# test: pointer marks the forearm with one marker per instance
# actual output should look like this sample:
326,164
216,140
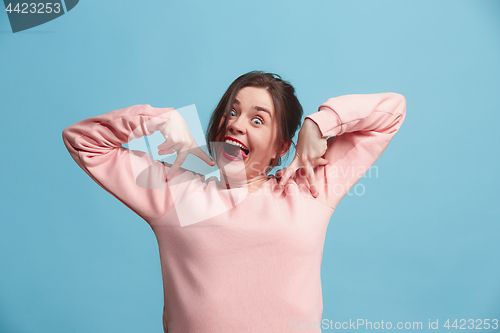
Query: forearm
309,130
131,176
110,130
363,125
383,112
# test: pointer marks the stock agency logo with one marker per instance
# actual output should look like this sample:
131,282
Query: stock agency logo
25,15
148,174
183,187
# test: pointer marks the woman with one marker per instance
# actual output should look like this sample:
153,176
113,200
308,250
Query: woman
242,254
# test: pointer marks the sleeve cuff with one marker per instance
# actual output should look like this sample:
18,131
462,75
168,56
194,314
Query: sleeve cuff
328,121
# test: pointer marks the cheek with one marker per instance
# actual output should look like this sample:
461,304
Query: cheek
264,148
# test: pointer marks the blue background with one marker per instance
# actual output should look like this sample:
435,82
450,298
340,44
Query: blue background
421,243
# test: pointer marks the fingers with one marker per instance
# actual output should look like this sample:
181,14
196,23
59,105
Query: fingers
287,174
197,151
181,157
311,178
312,182
279,172
165,148
322,161
167,151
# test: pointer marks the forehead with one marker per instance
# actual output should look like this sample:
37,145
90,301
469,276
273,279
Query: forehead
253,97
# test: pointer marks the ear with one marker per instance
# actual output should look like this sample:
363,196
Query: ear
286,145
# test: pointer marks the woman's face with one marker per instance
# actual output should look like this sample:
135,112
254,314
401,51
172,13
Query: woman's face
252,125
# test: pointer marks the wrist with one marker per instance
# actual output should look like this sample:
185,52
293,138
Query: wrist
311,128
167,117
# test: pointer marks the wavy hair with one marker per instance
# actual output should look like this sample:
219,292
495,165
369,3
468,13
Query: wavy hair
288,109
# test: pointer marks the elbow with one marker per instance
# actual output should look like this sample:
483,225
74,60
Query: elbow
400,110
401,101
66,134
399,105
69,135
66,138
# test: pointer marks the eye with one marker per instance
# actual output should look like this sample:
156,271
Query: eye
232,111
259,121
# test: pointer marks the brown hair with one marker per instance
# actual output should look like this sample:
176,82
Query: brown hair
286,105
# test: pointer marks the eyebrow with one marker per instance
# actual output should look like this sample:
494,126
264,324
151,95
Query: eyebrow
260,108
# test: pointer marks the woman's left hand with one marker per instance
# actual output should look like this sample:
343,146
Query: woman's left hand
310,149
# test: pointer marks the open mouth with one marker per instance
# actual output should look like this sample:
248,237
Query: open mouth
234,151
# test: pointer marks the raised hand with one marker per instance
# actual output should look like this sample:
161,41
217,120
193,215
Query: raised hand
311,146
178,139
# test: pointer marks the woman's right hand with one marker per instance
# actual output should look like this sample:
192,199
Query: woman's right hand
179,139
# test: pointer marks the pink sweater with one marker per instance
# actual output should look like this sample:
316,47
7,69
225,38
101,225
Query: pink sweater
234,261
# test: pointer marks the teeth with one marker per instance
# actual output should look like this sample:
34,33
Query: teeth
235,144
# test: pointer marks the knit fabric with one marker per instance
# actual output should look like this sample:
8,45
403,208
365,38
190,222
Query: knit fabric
233,260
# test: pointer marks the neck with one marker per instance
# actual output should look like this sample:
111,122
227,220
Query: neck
251,184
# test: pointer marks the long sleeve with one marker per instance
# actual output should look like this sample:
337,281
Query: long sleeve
131,176
361,127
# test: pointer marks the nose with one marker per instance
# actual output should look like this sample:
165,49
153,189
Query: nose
236,126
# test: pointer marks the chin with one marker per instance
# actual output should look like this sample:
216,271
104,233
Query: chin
234,171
